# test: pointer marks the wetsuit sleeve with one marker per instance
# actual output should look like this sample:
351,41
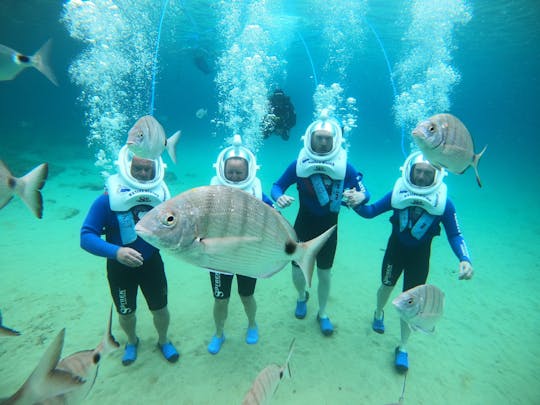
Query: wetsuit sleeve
377,208
353,179
267,200
284,182
94,226
453,233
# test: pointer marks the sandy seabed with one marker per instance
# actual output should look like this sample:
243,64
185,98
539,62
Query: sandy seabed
485,349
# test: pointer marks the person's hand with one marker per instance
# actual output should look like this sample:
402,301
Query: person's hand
129,257
465,270
352,198
284,201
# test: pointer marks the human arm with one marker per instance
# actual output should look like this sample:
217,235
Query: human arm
375,209
282,184
95,224
355,192
457,242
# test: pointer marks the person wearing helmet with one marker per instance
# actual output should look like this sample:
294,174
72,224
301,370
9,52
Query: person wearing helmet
235,166
420,204
132,263
281,116
321,173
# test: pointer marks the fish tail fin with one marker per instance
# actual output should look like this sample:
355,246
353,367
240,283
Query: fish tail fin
108,343
41,62
171,145
286,365
311,248
46,381
476,160
28,188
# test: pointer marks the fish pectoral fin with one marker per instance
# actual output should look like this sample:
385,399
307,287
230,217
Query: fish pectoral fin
226,244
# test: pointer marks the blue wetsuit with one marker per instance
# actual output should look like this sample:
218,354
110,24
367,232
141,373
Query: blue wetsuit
124,280
313,219
406,253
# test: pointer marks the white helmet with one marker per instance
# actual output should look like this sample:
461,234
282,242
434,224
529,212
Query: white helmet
125,158
406,174
325,123
236,151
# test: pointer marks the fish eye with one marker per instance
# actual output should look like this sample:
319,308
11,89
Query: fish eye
410,301
168,219
431,128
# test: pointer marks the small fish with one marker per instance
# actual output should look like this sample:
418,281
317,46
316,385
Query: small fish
12,62
27,187
267,382
225,229
85,365
421,307
146,139
46,381
445,142
5,331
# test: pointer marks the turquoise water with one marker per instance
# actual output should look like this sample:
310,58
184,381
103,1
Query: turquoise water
483,67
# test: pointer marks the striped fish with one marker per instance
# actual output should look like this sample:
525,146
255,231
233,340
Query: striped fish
267,382
421,307
446,142
225,229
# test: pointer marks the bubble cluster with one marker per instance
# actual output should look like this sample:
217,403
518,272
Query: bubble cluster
114,70
425,75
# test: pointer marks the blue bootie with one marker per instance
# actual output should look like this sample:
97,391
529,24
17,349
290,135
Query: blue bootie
215,344
378,324
401,361
130,353
301,307
252,335
326,326
169,352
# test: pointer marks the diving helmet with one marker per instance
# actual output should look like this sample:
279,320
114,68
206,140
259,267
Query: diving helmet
328,124
125,159
407,175
236,150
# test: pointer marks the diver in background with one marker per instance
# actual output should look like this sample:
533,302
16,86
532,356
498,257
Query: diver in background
420,204
131,261
236,166
281,116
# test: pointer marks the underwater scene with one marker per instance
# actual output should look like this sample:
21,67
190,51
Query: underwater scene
91,91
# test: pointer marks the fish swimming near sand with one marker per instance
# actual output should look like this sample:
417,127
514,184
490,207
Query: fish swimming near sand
445,142
27,187
267,382
12,62
147,140
5,331
225,229
421,307
46,381
85,365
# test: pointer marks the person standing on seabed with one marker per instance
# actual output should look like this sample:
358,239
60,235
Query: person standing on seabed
321,173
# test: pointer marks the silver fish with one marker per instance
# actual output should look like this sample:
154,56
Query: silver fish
446,142
12,62
146,139
5,331
85,365
46,381
421,307
267,381
225,229
27,187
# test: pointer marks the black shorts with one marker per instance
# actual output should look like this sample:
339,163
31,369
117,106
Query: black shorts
222,283
309,226
124,282
412,261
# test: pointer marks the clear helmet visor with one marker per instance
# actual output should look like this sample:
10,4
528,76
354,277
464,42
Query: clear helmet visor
138,172
420,176
323,139
236,165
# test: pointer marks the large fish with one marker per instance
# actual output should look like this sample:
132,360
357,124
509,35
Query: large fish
5,331
12,62
85,365
146,139
46,381
267,382
445,142
228,230
421,307
26,187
